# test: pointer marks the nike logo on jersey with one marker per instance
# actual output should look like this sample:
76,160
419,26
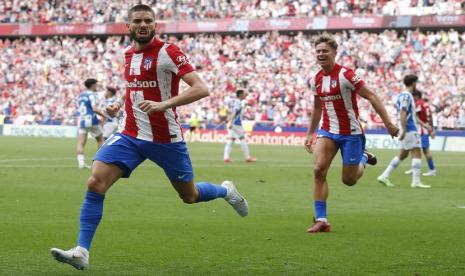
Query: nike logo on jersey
352,159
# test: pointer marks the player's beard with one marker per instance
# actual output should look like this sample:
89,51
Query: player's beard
142,40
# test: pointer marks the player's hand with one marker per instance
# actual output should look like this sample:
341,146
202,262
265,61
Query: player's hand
402,136
309,144
112,109
229,125
432,134
393,130
151,106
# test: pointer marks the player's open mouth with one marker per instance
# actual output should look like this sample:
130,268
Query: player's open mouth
143,32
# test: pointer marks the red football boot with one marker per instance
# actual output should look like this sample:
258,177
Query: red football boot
319,226
250,160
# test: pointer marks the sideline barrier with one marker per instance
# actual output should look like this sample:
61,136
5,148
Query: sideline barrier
40,130
446,142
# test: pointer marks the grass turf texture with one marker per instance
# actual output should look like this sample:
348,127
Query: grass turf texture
147,230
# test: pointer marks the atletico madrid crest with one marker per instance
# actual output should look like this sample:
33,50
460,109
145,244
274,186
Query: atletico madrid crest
333,83
148,63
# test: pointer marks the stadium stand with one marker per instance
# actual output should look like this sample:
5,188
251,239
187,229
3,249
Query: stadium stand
68,11
40,78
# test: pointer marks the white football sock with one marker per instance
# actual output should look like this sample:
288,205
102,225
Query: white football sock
245,149
416,168
392,166
228,149
80,159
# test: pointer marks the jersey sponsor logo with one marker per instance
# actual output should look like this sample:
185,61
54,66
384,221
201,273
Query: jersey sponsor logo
140,84
331,98
147,63
182,60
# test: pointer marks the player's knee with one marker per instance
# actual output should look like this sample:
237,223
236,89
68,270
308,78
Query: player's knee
349,180
189,199
96,184
319,171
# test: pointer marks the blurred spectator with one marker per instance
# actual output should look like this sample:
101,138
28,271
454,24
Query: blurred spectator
71,11
41,77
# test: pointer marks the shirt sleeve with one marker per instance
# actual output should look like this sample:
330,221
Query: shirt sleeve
404,101
354,79
181,61
93,100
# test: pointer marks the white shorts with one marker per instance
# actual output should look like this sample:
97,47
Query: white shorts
109,128
412,140
236,132
94,131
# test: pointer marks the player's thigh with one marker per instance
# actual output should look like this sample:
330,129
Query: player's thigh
103,176
96,131
121,151
352,148
411,140
173,158
425,142
236,132
323,152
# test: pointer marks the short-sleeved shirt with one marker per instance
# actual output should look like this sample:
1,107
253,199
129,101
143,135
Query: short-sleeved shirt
153,73
237,108
406,102
337,93
87,117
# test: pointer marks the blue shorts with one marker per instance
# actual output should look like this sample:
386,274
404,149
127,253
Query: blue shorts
425,141
352,146
128,152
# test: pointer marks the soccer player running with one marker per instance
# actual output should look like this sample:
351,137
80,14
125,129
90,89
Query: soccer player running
425,119
409,137
336,88
150,130
235,129
88,121
111,124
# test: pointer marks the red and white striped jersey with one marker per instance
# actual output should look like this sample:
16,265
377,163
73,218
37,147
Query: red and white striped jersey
337,93
423,113
153,73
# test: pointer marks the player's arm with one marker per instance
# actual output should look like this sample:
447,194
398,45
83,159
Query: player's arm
197,90
432,133
112,109
315,118
375,101
403,123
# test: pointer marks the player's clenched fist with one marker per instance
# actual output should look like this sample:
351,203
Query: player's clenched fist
112,109
151,106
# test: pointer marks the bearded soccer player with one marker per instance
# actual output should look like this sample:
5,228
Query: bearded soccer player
150,130
425,119
336,88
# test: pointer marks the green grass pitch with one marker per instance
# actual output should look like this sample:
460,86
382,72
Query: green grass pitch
147,230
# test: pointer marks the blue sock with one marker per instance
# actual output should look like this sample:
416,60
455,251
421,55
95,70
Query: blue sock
364,159
208,191
91,214
431,164
320,209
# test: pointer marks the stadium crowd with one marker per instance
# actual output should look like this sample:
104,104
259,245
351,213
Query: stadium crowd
41,78
69,11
